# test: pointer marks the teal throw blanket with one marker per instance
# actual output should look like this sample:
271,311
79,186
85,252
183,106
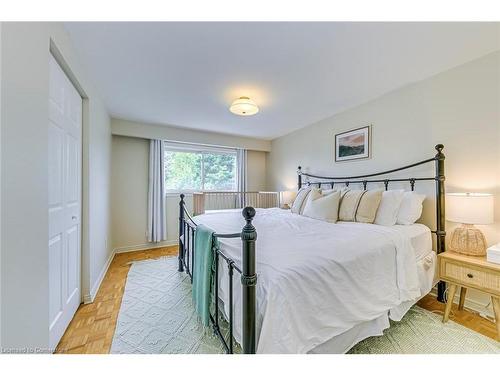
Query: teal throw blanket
202,272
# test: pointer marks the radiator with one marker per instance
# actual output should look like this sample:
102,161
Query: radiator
223,200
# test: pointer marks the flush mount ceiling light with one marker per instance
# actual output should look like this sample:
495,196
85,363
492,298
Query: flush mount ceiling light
244,106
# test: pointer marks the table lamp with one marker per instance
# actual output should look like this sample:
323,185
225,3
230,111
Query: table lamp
287,197
469,209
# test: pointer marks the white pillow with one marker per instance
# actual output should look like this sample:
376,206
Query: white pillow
328,191
322,207
411,208
387,213
299,200
342,190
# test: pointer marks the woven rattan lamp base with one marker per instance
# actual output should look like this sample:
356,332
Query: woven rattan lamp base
468,240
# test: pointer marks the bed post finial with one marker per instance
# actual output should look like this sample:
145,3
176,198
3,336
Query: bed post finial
299,175
181,233
440,212
248,214
248,281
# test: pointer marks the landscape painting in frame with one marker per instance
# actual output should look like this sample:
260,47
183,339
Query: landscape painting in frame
353,144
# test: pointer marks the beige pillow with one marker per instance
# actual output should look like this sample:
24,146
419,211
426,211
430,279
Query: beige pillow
349,205
322,207
298,203
368,206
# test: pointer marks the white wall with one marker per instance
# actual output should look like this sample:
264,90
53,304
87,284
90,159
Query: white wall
24,184
172,133
98,200
129,183
459,108
256,170
129,179
1,26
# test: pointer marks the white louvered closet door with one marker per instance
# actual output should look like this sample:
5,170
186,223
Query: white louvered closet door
65,170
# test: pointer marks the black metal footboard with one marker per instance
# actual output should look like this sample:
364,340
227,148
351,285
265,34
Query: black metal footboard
248,235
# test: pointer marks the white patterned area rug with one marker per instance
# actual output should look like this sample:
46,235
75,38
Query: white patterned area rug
157,316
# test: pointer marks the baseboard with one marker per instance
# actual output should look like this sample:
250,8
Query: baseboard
469,303
89,298
145,246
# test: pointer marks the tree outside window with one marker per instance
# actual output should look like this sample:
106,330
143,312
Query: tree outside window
194,170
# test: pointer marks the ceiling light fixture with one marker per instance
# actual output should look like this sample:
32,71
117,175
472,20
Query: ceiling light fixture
244,106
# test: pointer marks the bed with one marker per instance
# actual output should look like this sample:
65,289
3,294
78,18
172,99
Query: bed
310,286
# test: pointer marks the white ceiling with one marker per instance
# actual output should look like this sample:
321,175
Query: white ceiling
187,74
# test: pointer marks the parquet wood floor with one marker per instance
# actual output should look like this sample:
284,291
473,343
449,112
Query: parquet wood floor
92,328
467,318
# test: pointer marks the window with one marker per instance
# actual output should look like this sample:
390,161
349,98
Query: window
199,168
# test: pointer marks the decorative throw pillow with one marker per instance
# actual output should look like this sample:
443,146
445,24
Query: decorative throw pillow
368,206
349,205
322,207
387,213
297,204
411,208
342,190
328,191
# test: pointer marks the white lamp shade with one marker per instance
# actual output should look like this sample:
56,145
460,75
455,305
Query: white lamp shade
288,196
244,106
469,208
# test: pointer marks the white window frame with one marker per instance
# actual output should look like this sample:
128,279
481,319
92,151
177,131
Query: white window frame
201,149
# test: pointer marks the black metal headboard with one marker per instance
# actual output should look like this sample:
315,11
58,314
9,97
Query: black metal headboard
364,180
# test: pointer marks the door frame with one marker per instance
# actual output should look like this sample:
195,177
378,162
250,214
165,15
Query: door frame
85,283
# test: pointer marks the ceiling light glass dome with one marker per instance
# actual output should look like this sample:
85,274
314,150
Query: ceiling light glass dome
244,106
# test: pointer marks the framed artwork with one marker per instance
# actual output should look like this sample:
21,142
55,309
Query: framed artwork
353,144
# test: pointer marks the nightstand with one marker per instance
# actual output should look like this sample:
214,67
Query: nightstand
470,272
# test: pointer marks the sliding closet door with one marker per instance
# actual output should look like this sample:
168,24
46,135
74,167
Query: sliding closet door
65,170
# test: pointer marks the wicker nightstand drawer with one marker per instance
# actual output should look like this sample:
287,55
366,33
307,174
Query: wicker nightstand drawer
471,276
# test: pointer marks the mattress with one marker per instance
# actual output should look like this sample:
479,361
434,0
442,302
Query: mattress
419,234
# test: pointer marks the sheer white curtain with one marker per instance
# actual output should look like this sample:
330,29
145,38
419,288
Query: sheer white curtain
242,175
157,226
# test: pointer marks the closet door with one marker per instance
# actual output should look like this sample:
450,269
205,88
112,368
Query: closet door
65,149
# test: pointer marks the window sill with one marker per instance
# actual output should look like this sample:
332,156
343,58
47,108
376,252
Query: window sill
178,193
191,192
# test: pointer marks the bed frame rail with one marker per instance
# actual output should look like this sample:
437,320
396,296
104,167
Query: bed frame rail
248,277
438,178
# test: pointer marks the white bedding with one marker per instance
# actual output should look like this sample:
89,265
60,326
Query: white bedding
317,280
345,341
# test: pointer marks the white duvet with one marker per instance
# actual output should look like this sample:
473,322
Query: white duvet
316,280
